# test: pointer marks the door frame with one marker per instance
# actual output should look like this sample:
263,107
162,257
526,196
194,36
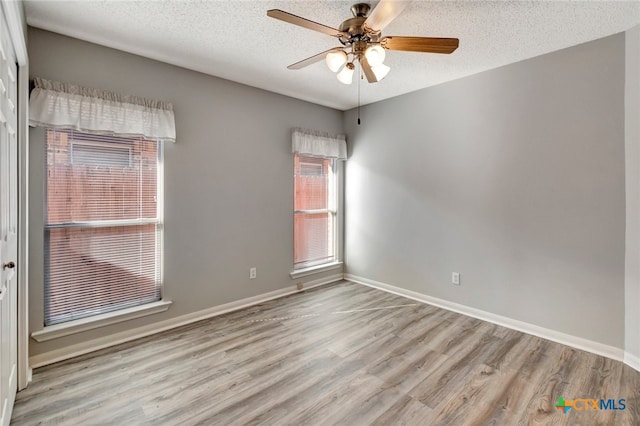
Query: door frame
16,23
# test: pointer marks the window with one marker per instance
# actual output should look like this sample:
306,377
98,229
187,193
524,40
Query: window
103,227
315,211
317,156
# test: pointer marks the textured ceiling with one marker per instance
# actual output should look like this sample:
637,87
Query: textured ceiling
235,40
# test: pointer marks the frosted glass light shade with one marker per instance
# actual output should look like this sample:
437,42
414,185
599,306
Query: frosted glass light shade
346,75
336,59
381,71
375,55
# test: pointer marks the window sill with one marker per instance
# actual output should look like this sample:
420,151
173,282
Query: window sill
84,324
315,269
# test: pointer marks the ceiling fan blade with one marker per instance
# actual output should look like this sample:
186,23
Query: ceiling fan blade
312,59
420,44
385,12
305,23
368,72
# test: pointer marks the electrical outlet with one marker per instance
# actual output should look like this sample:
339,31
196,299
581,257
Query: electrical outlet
455,278
253,273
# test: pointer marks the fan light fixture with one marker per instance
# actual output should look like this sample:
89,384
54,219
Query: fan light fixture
380,70
375,55
346,75
336,59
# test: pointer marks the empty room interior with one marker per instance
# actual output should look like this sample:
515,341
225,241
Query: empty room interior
300,213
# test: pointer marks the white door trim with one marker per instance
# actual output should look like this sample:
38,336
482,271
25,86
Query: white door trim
24,369
16,24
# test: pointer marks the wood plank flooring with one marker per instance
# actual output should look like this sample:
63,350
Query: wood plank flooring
339,354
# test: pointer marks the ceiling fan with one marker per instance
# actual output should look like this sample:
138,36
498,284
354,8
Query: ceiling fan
362,41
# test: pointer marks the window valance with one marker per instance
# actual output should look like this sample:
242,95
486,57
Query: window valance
319,144
67,106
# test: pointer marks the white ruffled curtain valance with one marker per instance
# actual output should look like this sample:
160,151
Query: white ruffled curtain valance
319,144
67,106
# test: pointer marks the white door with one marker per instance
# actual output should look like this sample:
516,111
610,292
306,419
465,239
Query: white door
8,225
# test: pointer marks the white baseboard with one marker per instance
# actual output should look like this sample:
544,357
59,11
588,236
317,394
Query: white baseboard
546,333
632,361
128,335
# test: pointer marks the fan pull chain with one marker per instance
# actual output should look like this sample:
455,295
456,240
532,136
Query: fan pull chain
361,77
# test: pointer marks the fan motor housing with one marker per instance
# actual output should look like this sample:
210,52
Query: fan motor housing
353,26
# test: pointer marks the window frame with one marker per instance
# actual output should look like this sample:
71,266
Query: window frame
334,208
82,323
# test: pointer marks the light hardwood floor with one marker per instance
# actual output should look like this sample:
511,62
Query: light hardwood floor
339,354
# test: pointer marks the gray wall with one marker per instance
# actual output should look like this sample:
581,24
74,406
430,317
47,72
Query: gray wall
228,179
514,177
632,145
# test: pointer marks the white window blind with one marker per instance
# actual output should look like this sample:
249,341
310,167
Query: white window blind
103,224
100,154
315,210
